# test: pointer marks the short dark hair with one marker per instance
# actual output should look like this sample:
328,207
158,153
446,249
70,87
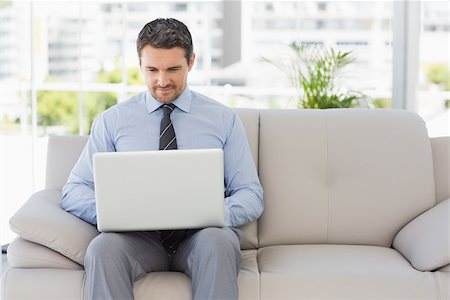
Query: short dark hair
166,34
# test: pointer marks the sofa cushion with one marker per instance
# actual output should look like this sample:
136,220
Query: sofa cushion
70,284
341,272
41,220
30,284
425,241
26,254
349,176
248,279
442,284
163,285
159,285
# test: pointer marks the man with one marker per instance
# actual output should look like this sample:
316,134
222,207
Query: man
211,256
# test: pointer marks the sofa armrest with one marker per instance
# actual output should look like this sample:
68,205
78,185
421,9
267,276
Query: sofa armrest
425,240
43,221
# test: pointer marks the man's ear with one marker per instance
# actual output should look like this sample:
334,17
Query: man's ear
191,61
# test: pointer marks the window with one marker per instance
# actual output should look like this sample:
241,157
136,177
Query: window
365,28
433,97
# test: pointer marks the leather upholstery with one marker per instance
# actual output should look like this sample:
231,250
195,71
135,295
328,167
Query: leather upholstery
26,254
441,167
62,154
340,272
42,220
342,176
424,241
61,283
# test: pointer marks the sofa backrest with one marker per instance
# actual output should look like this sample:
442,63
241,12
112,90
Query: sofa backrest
62,154
350,176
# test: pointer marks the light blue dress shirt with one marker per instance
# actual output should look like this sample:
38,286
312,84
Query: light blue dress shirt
199,123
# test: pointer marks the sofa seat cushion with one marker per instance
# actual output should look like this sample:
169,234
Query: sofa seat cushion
248,279
32,284
26,254
163,285
341,272
47,283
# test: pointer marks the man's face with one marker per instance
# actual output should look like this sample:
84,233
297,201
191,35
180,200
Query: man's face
165,71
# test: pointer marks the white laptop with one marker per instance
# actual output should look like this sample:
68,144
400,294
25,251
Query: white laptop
158,190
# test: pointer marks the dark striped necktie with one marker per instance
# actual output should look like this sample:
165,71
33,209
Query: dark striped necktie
167,141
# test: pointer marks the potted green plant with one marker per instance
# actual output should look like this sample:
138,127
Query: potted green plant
315,70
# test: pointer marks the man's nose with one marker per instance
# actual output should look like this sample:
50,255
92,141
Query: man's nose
163,79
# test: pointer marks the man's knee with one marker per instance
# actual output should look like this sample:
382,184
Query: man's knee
104,246
215,249
218,241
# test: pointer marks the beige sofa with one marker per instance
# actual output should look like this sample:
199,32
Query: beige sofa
356,207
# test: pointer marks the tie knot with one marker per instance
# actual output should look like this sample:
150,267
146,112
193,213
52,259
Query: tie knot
168,108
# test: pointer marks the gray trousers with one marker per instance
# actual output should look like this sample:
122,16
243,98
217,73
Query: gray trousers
211,257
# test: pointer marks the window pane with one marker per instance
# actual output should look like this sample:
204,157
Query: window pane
14,68
93,104
16,176
57,112
363,27
434,77
107,39
59,40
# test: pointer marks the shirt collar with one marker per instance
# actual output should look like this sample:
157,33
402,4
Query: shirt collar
183,101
